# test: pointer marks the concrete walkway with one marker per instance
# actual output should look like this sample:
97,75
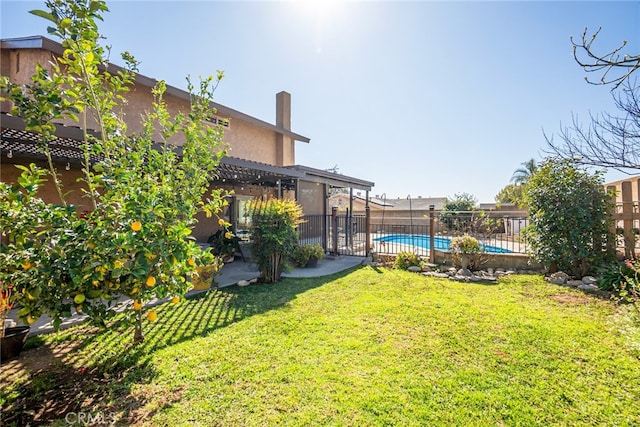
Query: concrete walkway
238,270
230,275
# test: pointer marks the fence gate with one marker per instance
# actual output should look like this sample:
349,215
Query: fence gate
340,234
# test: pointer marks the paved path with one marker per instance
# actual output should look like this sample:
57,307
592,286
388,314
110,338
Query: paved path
230,274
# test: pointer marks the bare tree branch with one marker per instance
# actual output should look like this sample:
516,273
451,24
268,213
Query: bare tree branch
615,66
610,141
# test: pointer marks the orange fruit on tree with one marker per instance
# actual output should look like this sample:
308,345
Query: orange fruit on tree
152,316
137,305
26,265
136,226
31,320
151,281
175,299
191,262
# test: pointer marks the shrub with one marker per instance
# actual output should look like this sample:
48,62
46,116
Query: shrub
466,246
570,218
304,253
275,235
406,259
611,275
630,289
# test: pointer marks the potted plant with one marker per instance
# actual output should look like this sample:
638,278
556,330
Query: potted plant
223,242
464,249
12,339
203,277
308,254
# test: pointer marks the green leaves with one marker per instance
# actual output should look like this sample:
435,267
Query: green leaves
570,215
275,234
98,253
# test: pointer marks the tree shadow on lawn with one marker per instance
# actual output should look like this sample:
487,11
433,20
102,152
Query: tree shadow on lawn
91,371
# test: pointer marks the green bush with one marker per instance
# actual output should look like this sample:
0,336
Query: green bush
275,235
406,259
304,253
465,245
570,218
611,275
468,247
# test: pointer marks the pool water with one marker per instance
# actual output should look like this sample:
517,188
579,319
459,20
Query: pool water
440,243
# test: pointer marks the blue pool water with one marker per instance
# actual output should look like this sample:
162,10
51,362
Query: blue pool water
440,243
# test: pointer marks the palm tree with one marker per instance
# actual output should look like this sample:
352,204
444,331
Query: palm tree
523,174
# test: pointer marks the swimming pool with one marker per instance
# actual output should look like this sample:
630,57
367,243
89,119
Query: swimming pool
440,243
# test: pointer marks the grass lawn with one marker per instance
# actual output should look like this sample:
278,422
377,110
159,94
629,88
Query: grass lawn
365,347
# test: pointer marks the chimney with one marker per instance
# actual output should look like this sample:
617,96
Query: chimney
285,149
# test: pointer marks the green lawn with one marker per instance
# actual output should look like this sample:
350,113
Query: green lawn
366,347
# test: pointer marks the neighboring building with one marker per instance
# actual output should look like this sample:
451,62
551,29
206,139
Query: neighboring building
344,200
261,161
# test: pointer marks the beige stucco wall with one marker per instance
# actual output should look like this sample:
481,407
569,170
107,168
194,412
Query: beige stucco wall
69,179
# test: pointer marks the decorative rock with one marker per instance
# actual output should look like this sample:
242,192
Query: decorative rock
560,275
588,288
414,269
465,272
254,280
435,274
589,280
556,280
473,278
574,283
430,266
243,283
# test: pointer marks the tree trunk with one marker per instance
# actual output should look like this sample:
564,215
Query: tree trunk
138,336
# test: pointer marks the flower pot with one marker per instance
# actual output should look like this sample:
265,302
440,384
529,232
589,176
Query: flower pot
13,341
464,261
203,280
312,263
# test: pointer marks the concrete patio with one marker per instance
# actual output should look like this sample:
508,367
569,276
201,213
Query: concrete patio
230,275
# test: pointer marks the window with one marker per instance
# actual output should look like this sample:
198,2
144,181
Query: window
225,123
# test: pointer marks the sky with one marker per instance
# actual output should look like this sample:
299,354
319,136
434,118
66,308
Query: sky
423,98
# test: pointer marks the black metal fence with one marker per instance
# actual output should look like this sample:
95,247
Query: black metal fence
346,234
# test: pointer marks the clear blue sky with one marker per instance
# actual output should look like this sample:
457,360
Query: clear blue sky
423,98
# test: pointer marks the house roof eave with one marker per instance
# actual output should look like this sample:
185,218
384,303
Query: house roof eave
332,178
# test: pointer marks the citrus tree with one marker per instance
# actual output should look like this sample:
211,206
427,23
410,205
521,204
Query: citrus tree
136,240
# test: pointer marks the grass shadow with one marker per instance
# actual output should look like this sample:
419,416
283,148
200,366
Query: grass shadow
96,373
